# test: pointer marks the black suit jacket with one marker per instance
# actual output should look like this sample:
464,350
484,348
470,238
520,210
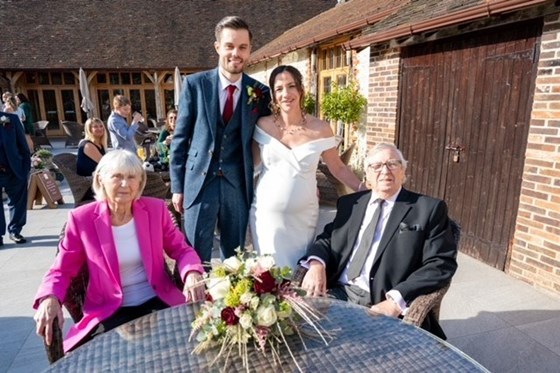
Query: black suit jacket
416,255
15,146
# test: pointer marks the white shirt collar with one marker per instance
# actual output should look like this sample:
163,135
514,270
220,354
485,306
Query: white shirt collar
224,82
391,199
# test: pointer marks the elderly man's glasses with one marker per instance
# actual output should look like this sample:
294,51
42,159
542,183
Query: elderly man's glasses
392,164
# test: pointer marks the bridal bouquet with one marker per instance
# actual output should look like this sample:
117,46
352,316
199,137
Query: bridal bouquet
251,301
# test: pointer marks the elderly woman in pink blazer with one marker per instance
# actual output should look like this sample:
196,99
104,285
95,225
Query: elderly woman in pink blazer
122,238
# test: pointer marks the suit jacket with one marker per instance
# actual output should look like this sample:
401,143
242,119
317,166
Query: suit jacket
194,136
416,255
89,239
15,146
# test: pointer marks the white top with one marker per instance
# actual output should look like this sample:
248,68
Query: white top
135,285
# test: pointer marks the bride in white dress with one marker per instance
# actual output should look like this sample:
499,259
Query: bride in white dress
287,148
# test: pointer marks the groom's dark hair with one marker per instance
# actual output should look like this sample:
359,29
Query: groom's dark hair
232,22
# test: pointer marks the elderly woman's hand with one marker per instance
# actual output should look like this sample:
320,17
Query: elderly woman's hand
48,310
194,287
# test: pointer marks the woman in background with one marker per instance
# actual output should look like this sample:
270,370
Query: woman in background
92,147
28,123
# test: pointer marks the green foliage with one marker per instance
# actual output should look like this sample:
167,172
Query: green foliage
309,104
344,103
43,154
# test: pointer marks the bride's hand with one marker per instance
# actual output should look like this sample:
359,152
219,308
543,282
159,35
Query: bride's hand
315,280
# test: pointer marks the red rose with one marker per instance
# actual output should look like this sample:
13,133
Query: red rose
229,317
265,283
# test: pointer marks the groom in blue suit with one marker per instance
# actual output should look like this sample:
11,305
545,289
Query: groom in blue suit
211,160
15,162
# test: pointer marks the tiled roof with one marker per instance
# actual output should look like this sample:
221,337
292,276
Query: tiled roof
381,20
347,17
134,34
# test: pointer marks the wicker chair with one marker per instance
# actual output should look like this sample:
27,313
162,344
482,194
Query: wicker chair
74,133
79,185
155,186
75,296
41,137
423,304
329,186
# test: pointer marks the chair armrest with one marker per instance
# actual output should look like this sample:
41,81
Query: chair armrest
55,351
422,305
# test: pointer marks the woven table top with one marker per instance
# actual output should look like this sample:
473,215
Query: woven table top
361,342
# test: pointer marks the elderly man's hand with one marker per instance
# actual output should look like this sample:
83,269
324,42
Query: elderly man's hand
315,280
48,310
387,308
194,287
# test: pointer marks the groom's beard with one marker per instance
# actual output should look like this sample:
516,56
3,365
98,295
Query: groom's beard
234,68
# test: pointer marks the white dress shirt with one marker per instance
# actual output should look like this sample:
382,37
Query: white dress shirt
224,83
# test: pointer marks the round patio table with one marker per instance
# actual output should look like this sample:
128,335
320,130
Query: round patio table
361,342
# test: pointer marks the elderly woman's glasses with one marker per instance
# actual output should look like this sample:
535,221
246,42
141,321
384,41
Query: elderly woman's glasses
392,164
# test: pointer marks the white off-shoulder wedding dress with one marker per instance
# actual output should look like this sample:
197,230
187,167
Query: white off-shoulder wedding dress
284,212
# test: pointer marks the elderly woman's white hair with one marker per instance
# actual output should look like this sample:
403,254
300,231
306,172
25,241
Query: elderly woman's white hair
384,146
117,161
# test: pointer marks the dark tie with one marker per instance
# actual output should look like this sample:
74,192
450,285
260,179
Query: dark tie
228,107
355,267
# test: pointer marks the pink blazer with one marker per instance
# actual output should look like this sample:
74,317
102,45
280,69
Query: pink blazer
89,239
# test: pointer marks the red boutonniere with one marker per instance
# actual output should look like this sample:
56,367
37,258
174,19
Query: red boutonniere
255,95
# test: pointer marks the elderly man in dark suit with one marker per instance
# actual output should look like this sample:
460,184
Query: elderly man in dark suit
15,162
386,246
211,164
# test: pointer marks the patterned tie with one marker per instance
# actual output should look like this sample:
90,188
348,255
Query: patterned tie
355,267
228,107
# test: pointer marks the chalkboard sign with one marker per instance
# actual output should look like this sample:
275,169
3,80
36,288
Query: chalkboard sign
43,185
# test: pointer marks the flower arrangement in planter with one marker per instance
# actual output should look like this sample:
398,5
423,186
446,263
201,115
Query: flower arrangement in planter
41,159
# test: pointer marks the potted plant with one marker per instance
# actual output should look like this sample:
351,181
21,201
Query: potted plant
345,104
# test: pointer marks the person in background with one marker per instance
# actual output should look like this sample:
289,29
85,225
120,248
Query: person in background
92,147
211,163
121,238
385,247
5,96
122,134
11,106
29,122
166,135
289,143
15,163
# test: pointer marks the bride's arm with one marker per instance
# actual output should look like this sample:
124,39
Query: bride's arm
341,171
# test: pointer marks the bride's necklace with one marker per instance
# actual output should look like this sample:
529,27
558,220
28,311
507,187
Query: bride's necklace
291,129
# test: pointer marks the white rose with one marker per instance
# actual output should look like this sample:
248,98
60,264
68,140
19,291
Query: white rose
266,262
254,303
232,263
266,316
250,265
245,298
246,321
219,287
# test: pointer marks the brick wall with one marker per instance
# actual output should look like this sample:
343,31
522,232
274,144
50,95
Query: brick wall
382,94
535,254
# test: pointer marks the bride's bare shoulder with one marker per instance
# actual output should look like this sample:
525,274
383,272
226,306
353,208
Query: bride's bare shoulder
322,127
266,123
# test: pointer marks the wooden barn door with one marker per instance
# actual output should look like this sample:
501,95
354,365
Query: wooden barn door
464,116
